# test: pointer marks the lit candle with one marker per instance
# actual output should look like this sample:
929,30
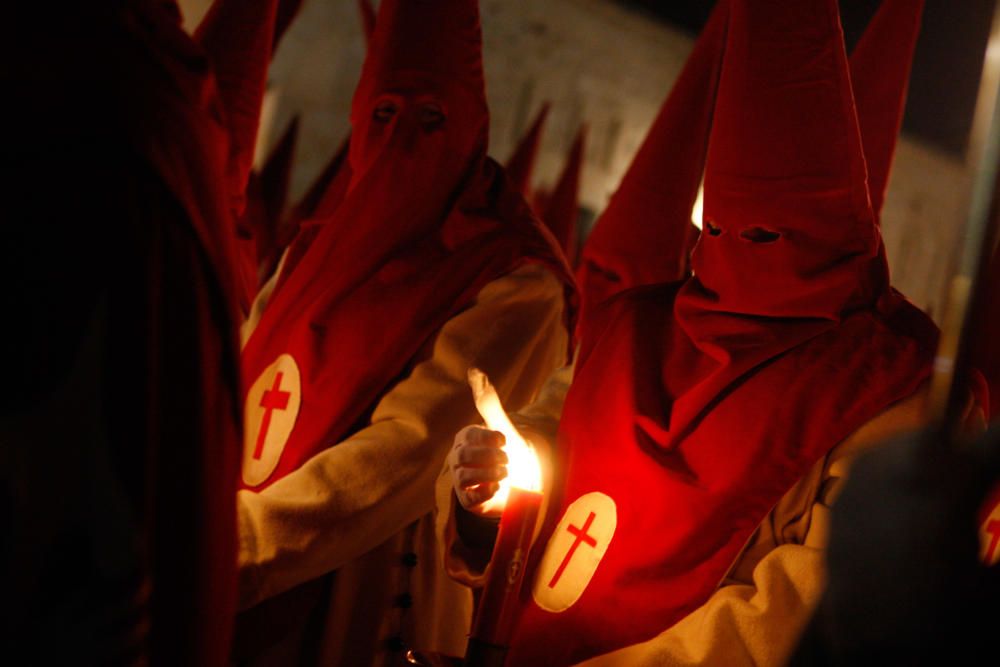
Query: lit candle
520,498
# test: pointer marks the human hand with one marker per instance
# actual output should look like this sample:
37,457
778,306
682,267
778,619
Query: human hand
478,463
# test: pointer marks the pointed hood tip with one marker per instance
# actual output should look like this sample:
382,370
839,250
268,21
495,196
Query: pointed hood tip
367,12
430,48
880,73
801,137
441,40
521,165
643,235
789,228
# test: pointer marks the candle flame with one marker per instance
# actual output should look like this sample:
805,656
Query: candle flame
698,210
523,468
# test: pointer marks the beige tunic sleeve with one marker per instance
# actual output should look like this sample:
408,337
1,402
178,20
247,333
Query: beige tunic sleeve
353,496
755,618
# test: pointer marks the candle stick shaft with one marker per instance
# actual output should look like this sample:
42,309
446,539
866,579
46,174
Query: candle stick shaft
498,606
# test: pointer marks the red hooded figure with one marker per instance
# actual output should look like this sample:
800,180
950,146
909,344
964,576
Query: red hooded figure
786,339
399,254
645,235
649,219
189,407
140,435
426,222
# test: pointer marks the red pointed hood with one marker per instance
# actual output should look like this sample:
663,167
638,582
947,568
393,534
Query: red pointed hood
238,36
789,230
521,164
644,236
422,89
880,74
367,19
562,205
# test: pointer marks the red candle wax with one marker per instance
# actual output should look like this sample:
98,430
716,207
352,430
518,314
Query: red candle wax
497,611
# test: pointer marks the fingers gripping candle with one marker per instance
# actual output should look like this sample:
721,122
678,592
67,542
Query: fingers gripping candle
520,498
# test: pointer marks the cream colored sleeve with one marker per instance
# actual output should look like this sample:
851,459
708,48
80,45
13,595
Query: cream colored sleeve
753,624
757,617
538,423
355,495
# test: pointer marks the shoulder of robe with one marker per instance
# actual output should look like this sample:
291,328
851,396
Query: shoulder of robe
900,417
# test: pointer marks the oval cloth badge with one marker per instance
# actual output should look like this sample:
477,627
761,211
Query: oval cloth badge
574,551
268,418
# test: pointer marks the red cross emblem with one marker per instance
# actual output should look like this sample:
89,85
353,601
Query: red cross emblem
273,399
581,538
269,414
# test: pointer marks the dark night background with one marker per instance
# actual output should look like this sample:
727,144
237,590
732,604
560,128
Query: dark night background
946,67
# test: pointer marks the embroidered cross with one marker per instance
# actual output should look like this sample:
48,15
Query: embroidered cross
581,537
273,399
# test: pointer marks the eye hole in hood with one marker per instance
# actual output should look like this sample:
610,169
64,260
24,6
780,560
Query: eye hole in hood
760,235
431,115
384,111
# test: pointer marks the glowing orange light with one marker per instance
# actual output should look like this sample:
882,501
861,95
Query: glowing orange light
523,468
